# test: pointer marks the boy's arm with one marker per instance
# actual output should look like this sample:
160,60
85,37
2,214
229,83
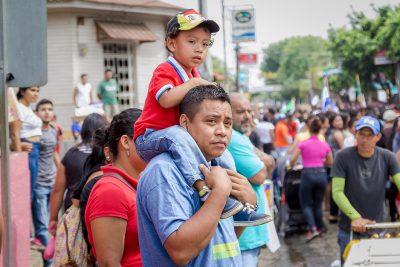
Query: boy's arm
341,200
174,96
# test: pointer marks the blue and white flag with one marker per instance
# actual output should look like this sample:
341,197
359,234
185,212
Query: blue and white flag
326,101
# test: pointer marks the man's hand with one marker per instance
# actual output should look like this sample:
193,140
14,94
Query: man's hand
217,179
26,147
241,188
358,225
268,160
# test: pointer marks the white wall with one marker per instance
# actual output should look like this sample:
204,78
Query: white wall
92,63
60,42
65,64
148,56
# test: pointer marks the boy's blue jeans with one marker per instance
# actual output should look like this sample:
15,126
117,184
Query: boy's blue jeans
183,149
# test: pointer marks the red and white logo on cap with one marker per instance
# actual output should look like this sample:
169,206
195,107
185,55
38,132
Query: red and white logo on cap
193,16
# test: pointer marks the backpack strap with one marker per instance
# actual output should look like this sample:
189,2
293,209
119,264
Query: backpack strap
119,177
70,260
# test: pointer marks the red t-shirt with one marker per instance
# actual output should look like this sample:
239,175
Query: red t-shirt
112,198
166,76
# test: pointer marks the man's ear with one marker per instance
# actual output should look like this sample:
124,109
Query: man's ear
379,136
183,121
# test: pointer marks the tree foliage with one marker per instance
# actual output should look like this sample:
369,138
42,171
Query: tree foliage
356,46
296,63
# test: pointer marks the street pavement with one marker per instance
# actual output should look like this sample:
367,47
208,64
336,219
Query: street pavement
294,252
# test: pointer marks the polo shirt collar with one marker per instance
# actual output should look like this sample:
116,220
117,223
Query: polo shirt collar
180,70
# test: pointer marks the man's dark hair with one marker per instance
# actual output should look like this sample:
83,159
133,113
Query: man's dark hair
43,102
193,99
83,75
108,70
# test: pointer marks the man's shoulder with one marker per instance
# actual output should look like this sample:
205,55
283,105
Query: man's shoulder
385,152
159,170
236,139
345,152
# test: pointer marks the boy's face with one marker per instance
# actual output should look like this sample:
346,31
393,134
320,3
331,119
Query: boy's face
190,48
45,112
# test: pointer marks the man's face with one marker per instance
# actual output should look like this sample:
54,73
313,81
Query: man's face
84,79
211,127
190,47
366,140
45,112
241,113
108,75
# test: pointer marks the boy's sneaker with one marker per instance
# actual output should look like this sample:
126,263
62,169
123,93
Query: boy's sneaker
36,244
311,235
249,217
232,207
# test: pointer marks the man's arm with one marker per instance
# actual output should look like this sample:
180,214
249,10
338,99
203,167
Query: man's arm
341,200
358,223
268,161
74,96
396,179
173,96
259,177
99,91
196,233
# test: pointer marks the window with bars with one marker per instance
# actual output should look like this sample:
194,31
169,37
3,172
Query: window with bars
118,57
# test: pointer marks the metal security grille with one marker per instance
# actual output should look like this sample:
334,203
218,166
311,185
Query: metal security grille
119,58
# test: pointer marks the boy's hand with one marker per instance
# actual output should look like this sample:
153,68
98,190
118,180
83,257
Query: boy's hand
217,179
199,81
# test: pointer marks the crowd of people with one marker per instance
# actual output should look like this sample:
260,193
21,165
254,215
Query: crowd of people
182,182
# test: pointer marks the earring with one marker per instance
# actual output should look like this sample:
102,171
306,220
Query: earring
128,153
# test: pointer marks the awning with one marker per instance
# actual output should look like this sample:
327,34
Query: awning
119,31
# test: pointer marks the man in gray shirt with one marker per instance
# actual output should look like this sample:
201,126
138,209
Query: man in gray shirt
360,174
46,173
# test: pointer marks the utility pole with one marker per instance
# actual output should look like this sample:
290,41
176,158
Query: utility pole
4,143
226,78
237,49
23,63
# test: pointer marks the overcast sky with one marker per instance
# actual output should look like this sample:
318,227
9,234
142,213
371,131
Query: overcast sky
279,19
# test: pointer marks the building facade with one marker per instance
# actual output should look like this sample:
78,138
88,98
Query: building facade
89,36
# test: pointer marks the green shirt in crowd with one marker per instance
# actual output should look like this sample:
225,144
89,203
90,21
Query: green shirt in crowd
108,92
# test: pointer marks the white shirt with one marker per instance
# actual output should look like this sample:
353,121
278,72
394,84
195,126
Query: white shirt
83,96
31,123
263,129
